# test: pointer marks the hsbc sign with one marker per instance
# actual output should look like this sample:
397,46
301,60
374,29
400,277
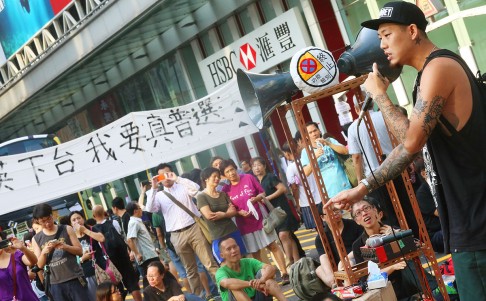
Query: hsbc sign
260,50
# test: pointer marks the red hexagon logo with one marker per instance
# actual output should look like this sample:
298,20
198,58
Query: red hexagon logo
248,56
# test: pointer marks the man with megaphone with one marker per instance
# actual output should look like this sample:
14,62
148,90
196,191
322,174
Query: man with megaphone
448,124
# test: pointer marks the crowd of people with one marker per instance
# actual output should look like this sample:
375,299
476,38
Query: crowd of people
158,239
161,238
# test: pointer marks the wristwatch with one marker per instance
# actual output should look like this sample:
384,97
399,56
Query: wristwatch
367,185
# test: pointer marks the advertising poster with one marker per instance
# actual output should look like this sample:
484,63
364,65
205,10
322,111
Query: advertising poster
20,20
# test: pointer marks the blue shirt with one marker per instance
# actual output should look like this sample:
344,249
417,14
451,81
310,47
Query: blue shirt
332,172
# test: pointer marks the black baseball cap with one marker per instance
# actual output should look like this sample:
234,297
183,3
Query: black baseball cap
399,12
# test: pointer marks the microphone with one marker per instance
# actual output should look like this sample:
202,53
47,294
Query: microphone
366,103
377,241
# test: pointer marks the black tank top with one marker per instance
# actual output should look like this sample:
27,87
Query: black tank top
458,181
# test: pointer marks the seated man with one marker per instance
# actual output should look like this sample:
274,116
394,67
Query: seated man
245,278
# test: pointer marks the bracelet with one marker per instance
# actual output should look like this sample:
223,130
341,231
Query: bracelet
367,185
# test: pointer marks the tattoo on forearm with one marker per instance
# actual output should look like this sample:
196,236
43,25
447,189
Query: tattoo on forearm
396,121
392,167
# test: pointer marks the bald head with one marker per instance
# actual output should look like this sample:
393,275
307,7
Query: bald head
98,212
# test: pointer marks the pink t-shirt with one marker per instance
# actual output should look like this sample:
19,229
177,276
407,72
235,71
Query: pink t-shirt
239,194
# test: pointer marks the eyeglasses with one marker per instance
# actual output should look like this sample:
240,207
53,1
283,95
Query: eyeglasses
359,213
44,220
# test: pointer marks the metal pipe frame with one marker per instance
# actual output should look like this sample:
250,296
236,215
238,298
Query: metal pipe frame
353,273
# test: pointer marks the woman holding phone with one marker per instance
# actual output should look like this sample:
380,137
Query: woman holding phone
89,242
14,280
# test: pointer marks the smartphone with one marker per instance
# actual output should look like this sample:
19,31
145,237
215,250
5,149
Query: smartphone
161,177
54,241
5,244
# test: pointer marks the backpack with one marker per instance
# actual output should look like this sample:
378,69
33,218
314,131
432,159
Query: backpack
304,280
114,242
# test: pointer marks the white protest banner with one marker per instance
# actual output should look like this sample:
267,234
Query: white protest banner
136,142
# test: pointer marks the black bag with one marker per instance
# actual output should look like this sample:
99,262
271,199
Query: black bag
114,242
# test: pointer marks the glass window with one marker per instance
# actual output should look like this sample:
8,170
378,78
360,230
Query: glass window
353,13
294,3
225,31
169,84
268,10
203,158
206,41
245,19
222,151
193,71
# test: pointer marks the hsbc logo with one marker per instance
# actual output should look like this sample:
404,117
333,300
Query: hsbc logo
248,56
386,12
223,69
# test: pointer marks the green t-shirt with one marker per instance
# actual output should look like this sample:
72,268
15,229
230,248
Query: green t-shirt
249,267
222,227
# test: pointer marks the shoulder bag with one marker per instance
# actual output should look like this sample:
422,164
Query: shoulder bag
14,276
110,273
275,217
199,221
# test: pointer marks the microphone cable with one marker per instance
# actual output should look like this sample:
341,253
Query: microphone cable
418,286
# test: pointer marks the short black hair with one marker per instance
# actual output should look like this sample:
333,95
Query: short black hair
206,173
297,136
259,159
131,207
118,203
223,240
225,163
164,165
73,213
64,220
3,235
286,147
42,210
312,123
211,161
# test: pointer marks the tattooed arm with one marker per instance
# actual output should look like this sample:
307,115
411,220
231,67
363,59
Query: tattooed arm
376,86
431,100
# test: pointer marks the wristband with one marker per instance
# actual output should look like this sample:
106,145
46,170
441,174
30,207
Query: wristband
367,185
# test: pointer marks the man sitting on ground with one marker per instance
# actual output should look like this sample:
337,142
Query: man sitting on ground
245,278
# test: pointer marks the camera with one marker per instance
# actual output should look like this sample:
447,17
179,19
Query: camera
35,269
5,244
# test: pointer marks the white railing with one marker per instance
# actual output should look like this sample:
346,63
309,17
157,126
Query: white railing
52,35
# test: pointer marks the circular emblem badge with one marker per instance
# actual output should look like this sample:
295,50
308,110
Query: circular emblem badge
314,69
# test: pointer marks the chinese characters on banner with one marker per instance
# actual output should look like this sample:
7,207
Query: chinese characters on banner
129,145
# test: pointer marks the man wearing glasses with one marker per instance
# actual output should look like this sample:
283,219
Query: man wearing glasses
66,278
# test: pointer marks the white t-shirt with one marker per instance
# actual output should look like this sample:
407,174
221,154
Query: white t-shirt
294,178
383,138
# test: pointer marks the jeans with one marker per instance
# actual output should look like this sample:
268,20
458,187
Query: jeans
71,290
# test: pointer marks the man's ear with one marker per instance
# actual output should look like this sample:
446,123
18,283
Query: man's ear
414,33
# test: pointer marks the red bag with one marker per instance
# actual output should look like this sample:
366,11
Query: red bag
447,268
